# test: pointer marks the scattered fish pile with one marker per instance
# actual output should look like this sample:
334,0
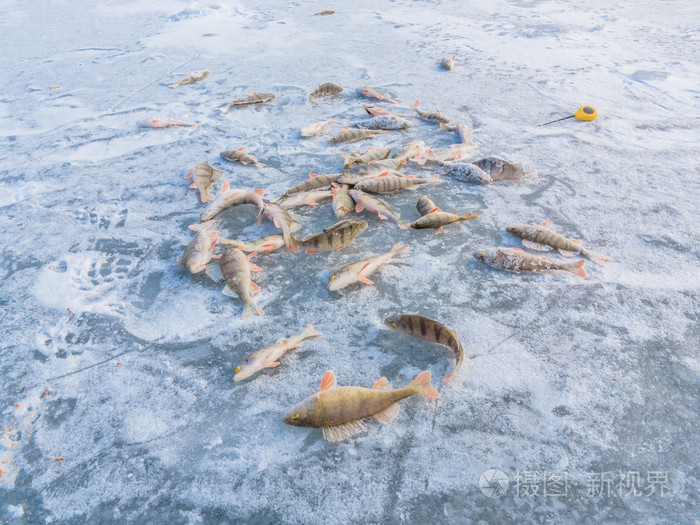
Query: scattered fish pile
340,411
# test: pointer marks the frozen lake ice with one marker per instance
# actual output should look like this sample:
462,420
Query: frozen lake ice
118,403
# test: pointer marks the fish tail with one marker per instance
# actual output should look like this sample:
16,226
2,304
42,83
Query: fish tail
597,258
423,387
309,331
402,225
290,242
251,308
577,268
398,248
415,105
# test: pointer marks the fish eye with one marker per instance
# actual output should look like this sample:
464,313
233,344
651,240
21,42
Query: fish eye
482,254
237,369
295,415
246,361
393,325
332,277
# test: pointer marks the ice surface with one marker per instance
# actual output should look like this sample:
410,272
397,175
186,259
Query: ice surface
142,422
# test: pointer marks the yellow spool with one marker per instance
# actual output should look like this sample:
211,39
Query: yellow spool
587,113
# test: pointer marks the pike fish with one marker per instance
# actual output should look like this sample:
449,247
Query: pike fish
164,123
314,182
365,201
360,271
428,330
372,154
371,92
324,90
342,201
305,198
384,122
516,260
283,222
200,250
542,238
336,237
340,411
204,175
467,172
500,169
238,155
191,78
434,116
251,98
265,244
235,267
267,357
448,63
387,183
353,135
232,197
312,130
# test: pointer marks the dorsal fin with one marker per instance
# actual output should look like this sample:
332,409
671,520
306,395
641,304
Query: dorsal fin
328,381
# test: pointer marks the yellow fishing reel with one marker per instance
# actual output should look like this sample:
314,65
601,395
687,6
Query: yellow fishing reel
586,113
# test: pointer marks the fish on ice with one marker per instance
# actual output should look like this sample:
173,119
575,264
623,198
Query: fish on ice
265,244
191,78
335,237
500,169
235,267
200,250
413,150
462,131
342,201
360,271
232,197
371,92
517,260
252,97
315,181
388,122
238,155
304,198
315,129
448,63
353,135
431,116
467,172
324,90
164,123
389,182
372,154
365,201
283,222
204,176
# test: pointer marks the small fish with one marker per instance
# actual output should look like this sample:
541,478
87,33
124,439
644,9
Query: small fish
435,116
372,154
265,244
461,130
441,157
387,183
426,206
365,201
500,169
315,181
467,172
428,330
360,271
232,197
161,123
267,357
324,90
339,411
342,201
353,135
235,267
448,63
324,12
384,122
200,250
438,219
413,150
542,238
336,237
204,174
313,130
191,78
373,169
284,222
371,92
305,198
516,260
251,98
238,155
376,111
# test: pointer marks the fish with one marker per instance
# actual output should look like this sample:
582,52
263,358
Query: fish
336,237
200,250
265,244
467,172
389,122
324,90
412,150
232,197
371,92
284,222
360,271
342,201
305,198
428,330
252,98
314,182
312,130
500,169
376,165
204,174
542,238
324,12
238,155
448,63
353,135
426,206
516,260
267,357
387,183
191,78
365,201
434,116
235,267
376,111
372,154
163,123
461,130
340,411
438,219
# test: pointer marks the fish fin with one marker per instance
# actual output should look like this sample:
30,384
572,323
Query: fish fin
434,178
227,291
518,249
239,149
216,175
254,287
381,384
388,415
577,241
309,331
205,197
597,258
188,175
345,431
536,246
449,376
251,308
577,268
546,224
224,187
191,185
365,280
415,105
312,203
272,365
259,191
313,175
328,381
566,253
359,207
254,267
214,272
340,247
310,251
422,384
437,230
381,216
402,225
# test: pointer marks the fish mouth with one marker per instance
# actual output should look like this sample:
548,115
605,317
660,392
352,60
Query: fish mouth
511,229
